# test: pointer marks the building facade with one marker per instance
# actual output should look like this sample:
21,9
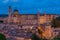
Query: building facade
31,20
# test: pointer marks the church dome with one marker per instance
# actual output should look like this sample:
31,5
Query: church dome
15,10
16,13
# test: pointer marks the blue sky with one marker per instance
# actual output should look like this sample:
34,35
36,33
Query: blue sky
31,6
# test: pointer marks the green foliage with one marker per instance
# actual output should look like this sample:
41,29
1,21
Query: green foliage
57,37
39,31
44,39
35,37
58,18
55,22
2,37
58,21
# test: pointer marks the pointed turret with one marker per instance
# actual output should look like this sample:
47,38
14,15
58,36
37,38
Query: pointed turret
45,13
45,16
9,14
9,9
38,15
38,12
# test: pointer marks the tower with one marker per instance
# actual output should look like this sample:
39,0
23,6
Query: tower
16,17
45,13
16,13
45,17
38,15
9,9
9,14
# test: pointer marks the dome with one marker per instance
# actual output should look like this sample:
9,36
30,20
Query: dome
15,10
16,13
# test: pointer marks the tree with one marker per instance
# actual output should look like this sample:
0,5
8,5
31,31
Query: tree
58,18
55,22
39,31
35,37
56,38
2,37
58,21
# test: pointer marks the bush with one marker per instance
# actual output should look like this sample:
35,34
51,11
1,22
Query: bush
2,37
55,22
35,37
57,37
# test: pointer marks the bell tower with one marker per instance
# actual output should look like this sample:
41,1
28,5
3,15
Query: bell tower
38,18
45,17
9,9
45,13
9,14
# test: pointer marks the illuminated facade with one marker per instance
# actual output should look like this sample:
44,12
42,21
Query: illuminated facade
41,20
30,19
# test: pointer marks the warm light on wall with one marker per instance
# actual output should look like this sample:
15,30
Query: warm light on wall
43,35
42,20
15,13
48,31
40,29
25,30
31,27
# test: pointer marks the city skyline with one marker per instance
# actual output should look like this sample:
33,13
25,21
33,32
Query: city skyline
30,19
31,6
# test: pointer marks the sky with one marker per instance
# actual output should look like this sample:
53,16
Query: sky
31,6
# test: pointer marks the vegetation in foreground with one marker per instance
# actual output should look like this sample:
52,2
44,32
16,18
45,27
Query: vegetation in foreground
35,37
2,37
56,22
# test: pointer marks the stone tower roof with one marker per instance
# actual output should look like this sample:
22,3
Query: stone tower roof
15,10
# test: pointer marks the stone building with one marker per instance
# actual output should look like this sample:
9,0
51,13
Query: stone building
29,20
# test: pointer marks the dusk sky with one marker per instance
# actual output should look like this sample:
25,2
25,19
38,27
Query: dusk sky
31,6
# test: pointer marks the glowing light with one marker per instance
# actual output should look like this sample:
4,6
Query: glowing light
31,27
43,34
40,29
25,30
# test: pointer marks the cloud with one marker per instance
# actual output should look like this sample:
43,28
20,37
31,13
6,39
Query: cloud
6,1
